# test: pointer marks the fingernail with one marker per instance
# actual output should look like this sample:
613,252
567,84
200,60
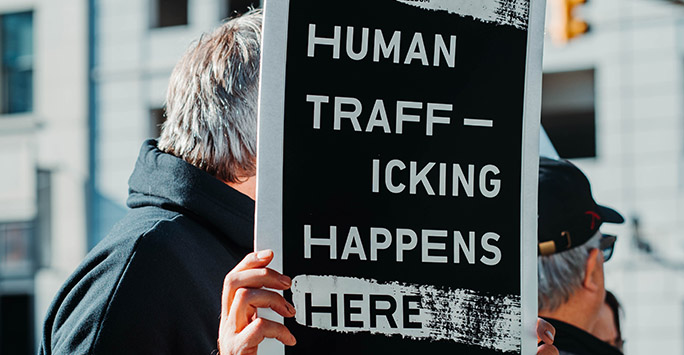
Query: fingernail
290,308
264,254
285,280
294,341
548,332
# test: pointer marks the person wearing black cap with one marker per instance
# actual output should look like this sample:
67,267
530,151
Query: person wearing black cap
572,251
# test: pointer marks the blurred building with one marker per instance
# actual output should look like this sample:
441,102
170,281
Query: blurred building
43,158
612,101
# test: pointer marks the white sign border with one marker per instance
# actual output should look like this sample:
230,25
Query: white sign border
530,174
269,197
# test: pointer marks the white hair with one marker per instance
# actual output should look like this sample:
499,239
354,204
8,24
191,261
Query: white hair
211,103
561,274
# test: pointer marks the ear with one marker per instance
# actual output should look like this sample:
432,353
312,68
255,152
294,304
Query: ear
594,268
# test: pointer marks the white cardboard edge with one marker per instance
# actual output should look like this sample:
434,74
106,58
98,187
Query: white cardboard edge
530,174
268,214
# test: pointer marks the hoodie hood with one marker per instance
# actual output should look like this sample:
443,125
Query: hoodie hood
166,181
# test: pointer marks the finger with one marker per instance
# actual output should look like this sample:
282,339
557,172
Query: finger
258,278
251,278
255,259
246,302
546,349
262,328
545,331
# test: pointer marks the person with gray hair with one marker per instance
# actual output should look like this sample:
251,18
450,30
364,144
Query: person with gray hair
572,251
154,284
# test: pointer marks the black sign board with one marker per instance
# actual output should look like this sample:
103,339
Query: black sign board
397,172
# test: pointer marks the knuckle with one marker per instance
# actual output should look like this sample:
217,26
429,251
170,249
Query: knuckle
241,294
229,281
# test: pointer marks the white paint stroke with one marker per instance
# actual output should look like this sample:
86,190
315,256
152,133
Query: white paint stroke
460,315
476,122
503,12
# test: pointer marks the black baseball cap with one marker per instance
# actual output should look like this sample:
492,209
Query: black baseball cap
568,214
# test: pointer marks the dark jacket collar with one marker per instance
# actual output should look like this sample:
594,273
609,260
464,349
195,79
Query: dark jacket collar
572,340
166,181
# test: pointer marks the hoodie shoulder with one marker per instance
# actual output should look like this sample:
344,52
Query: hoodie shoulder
170,292
76,312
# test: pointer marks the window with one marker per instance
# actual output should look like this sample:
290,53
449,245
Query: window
16,62
16,253
167,13
235,7
157,118
568,113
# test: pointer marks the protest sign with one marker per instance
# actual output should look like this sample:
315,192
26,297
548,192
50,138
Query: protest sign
398,147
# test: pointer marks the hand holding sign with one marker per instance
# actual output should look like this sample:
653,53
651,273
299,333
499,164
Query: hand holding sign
240,331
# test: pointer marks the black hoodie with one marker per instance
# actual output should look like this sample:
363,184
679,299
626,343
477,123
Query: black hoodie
153,285
571,340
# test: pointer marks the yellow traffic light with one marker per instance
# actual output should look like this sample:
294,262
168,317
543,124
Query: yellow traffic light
564,25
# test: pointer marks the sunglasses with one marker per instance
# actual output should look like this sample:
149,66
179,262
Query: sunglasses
607,245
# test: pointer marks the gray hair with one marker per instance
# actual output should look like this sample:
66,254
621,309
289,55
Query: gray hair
561,274
211,103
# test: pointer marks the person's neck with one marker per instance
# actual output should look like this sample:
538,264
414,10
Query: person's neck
577,311
246,187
